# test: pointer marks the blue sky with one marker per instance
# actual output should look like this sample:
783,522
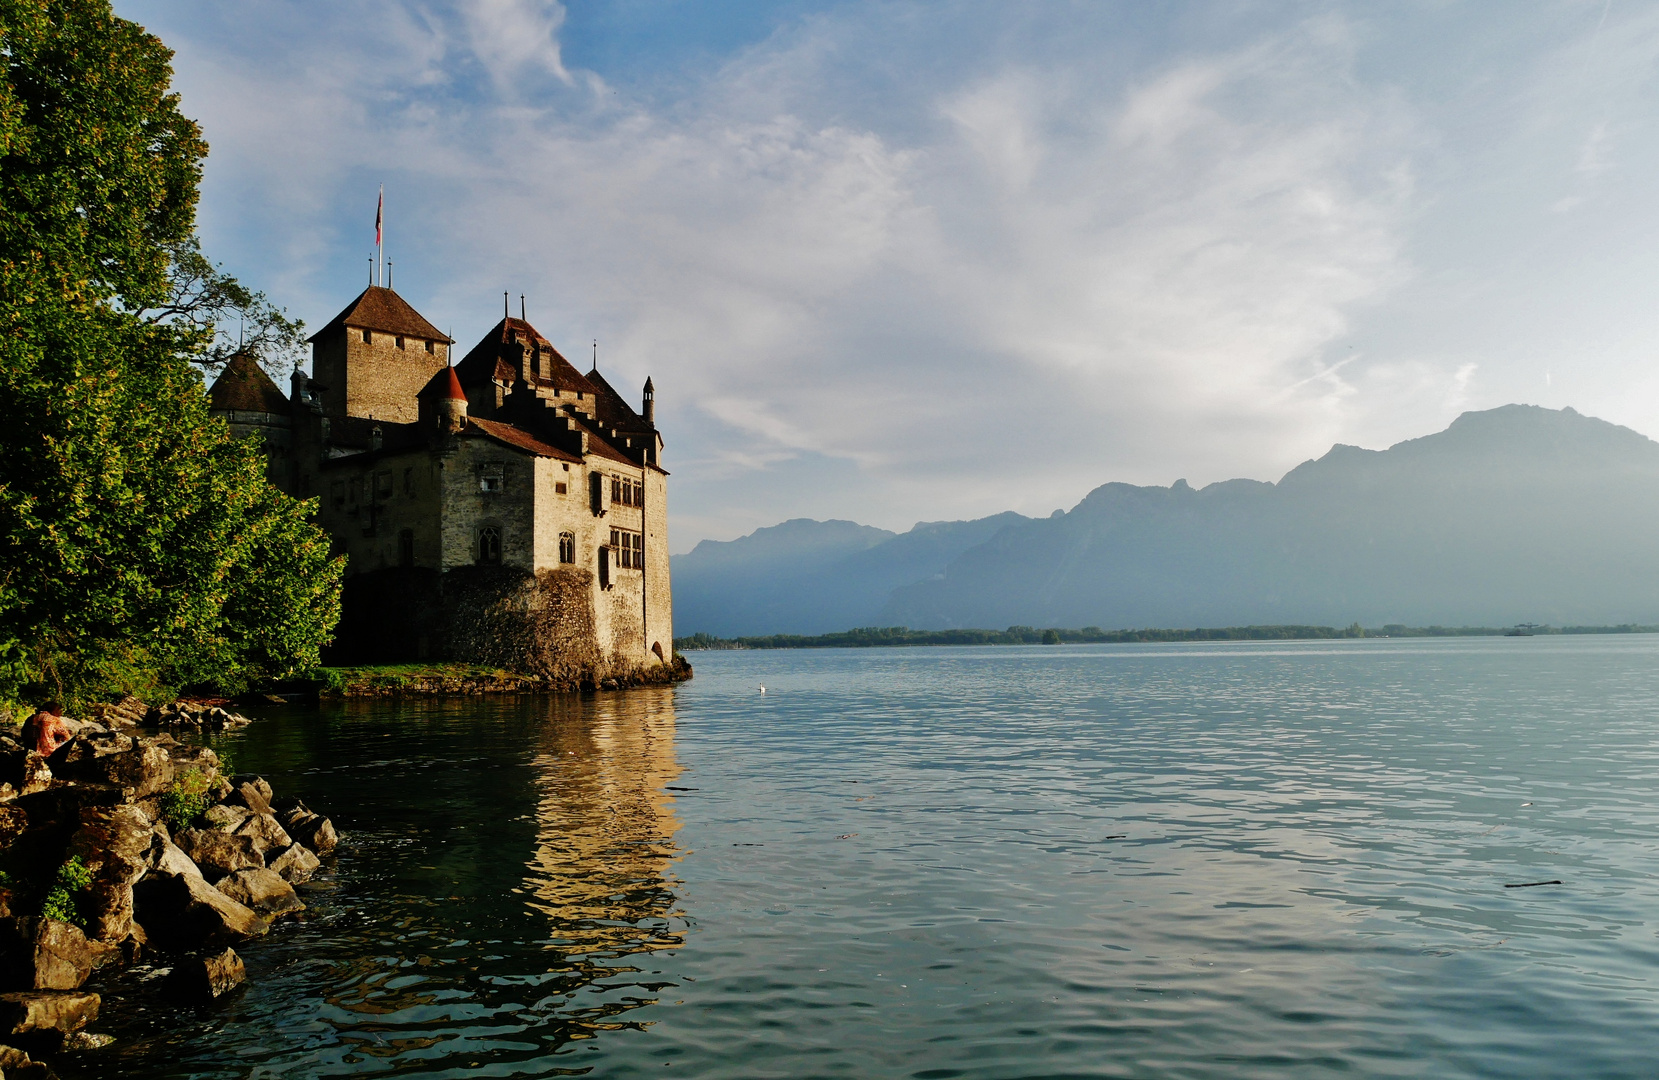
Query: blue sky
906,261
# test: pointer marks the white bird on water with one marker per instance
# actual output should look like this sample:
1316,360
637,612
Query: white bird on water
763,689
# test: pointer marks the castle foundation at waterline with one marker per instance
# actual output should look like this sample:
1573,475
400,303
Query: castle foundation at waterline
507,510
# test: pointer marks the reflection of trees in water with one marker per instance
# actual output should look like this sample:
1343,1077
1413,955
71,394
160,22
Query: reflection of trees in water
605,838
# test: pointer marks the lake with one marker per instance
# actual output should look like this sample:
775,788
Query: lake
1196,860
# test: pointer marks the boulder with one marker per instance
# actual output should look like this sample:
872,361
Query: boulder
112,842
203,978
261,890
45,954
188,756
315,832
146,769
294,863
217,854
78,757
16,1065
128,711
179,911
224,817
266,834
166,857
251,791
288,808
39,1020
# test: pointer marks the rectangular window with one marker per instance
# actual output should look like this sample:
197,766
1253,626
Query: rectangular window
559,488
431,346
492,477
400,342
629,547
367,337
408,481
354,491
616,490
382,485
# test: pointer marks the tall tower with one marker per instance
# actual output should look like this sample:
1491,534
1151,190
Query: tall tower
374,357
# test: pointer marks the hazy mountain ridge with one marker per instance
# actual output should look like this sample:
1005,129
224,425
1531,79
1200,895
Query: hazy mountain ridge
805,576
1517,513
1512,514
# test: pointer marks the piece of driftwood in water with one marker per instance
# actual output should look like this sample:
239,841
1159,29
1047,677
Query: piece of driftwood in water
1530,884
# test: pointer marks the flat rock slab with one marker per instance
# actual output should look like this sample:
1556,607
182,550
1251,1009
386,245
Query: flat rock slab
261,890
39,1020
205,977
183,912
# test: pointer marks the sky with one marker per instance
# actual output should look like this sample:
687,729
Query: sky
900,262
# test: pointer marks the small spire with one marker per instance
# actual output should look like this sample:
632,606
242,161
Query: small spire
388,273
523,318
596,354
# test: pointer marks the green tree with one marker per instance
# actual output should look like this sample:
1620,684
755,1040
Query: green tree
140,545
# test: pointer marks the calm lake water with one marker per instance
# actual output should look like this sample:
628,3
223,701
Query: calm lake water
1229,860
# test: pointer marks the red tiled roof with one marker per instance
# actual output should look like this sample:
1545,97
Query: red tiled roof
444,384
382,309
243,386
523,440
487,360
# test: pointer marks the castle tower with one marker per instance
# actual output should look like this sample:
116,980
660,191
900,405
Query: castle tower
650,413
374,357
443,406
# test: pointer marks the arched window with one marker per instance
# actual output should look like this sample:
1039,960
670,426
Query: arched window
489,546
567,547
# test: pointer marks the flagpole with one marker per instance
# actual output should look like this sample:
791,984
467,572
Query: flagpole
379,247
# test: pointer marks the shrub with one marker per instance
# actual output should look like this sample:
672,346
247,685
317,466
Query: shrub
63,901
185,800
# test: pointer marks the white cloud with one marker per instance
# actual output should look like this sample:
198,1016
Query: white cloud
982,284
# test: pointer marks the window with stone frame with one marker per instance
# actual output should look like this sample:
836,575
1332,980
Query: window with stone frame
567,546
489,546
383,485
492,477
367,337
629,547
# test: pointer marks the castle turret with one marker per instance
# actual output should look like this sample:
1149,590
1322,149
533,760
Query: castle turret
650,410
443,406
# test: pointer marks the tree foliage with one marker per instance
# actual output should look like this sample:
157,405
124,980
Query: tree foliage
140,545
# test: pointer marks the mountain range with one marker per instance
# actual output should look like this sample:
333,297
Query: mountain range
1513,514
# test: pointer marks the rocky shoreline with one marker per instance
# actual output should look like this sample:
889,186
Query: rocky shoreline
126,844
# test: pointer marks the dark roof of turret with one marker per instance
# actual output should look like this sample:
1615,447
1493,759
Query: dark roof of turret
379,308
488,359
443,385
613,410
243,386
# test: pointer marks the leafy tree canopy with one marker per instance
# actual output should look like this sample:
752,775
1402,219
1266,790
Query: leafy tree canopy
141,546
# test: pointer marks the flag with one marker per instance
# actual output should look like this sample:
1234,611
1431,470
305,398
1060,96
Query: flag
378,208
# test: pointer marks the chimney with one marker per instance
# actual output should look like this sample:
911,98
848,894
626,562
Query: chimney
650,402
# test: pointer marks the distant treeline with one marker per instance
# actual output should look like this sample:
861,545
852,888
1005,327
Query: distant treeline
873,636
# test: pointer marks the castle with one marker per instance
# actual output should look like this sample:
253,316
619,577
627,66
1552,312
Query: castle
507,510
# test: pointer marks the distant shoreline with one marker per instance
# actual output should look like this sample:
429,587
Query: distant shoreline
874,637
